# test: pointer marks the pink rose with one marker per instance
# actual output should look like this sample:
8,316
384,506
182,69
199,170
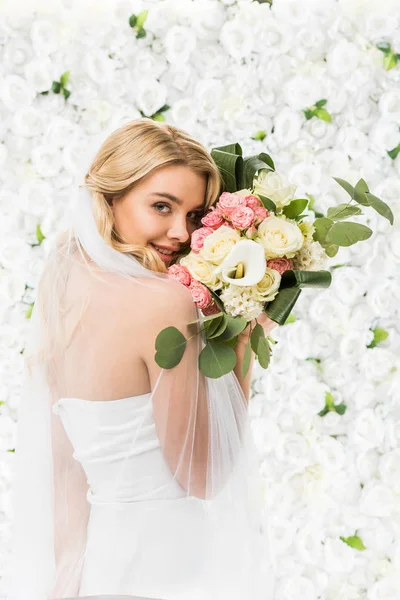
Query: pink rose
242,217
197,239
213,219
253,201
200,293
181,274
260,213
228,202
211,309
250,232
280,264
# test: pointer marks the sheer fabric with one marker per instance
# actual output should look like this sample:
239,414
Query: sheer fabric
93,326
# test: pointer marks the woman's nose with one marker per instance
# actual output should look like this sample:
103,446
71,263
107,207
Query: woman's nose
179,231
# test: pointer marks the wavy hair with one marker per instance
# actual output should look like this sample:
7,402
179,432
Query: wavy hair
128,155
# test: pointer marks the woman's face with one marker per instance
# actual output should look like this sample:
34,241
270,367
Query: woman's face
162,211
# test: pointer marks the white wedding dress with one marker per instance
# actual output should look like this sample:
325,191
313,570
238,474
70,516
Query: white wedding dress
172,557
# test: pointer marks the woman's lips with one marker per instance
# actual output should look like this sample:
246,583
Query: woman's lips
164,257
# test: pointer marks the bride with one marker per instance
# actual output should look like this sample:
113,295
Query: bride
131,479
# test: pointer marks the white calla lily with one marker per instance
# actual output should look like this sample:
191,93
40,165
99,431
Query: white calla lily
250,258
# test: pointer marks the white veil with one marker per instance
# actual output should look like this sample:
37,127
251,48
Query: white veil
94,306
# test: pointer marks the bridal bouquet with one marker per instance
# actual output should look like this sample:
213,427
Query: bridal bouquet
254,253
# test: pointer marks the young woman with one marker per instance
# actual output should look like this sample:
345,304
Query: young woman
132,479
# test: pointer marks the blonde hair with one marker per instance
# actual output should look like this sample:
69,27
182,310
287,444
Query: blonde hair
126,157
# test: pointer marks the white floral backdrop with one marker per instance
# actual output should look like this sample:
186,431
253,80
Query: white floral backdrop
326,414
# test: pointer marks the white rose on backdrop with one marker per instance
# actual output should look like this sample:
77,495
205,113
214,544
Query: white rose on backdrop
336,373
14,253
179,43
311,44
98,66
308,396
362,114
299,339
306,176
275,37
353,141
377,363
46,160
352,346
40,74
323,343
367,430
12,287
361,316
383,298
321,131
367,462
384,135
339,557
302,91
16,93
292,449
350,284
377,500
16,54
28,122
145,62
333,162
290,11
150,96
237,39
210,59
389,104
208,94
208,18
343,59
389,469
44,35
287,126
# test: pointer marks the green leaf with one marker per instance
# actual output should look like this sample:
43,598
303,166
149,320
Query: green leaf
291,319
66,93
321,103
322,226
389,61
381,207
252,164
64,78
316,279
39,235
132,20
348,233
330,249
217,301
345,185
11,450
268,203
256,335
263,352
260,135
235,325
295,208
354,542
395,152
219,329
216,359
141,18
379,336
229,161
246,359
141,34
267,159
28,313
323,114
280,308
308,113
56,87
384,47
359,192
170,346
158,117
342,211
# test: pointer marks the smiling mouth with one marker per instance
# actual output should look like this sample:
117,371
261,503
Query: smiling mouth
164,252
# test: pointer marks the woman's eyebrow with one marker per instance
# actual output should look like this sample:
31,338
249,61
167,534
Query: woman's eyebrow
172,198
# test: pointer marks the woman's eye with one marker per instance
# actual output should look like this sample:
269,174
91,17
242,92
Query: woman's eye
160,206
195,216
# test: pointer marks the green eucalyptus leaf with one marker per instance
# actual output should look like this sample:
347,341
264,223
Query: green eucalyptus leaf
348,233
170,347
323,114
359,192
342,211
295,208
263,352
345,185
268,203
381,207
256,334
246,359
216,359
322,226
235,325
212,325
330,249
222,325
217,300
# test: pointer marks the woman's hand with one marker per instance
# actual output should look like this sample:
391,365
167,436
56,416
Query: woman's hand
266,323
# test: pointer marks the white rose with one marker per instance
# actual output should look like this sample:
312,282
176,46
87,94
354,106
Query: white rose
237,38
40,74
377,500
208,20
353,142
208,94
218,245
343,59
274,185
384,135
266,289
44,35
279,237
179,42
389,104
46,160
150,96
16,93
287,126
201,270
251,256
389,469
16,53
28,122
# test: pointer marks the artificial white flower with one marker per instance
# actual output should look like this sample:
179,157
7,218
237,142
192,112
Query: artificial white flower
179,42
237,39
150,96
